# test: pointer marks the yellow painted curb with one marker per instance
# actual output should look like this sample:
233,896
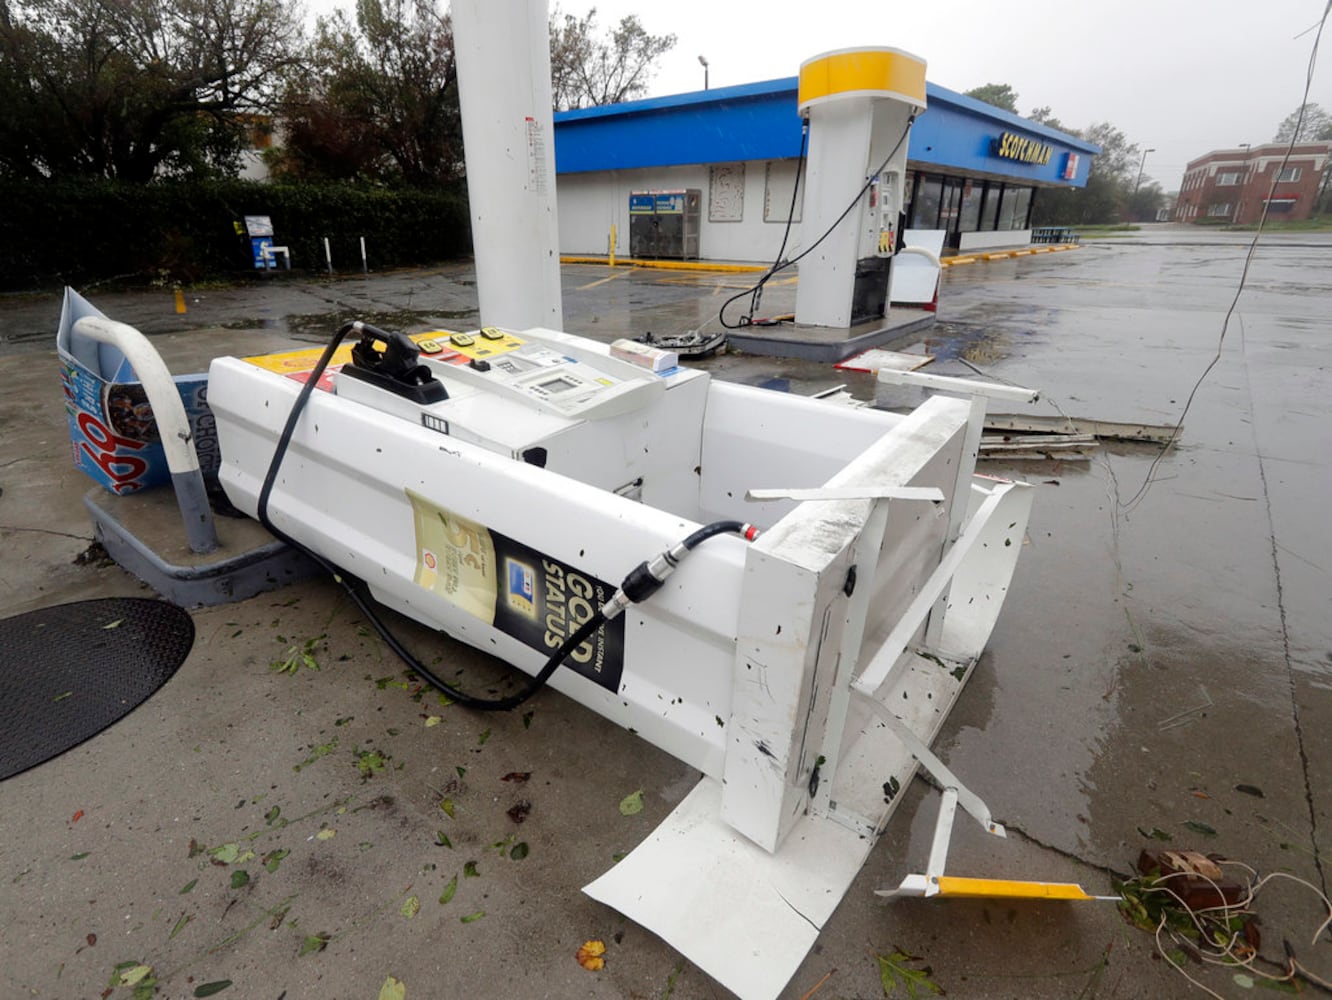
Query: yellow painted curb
1023,253
999,255
667,265
951,261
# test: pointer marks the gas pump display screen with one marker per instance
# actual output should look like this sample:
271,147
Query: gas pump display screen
558,385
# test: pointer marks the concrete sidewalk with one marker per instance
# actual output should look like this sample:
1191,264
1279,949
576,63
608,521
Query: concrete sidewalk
1156,652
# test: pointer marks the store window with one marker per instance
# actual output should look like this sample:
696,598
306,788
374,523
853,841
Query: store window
925,210
1013,210
990,208
968,220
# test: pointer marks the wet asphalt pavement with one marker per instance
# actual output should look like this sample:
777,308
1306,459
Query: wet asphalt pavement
1162,669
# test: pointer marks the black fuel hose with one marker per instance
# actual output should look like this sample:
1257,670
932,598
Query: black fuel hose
641,582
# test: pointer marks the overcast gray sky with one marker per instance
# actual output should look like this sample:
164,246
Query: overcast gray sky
1181,76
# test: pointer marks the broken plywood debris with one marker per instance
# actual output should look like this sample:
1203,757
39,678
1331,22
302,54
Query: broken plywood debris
1101,429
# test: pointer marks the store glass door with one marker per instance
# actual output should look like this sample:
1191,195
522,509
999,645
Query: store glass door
950,211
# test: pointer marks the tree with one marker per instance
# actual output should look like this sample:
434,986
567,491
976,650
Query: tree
1000,95
1045,117
136,89
588,69
1315,126
1109,192
378,100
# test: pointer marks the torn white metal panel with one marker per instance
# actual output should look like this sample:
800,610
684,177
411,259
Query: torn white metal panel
744,916
794,610
788,441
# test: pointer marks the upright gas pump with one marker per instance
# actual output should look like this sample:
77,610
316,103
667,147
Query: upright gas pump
860,104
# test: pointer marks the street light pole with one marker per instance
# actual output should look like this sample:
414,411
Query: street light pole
1140,169
702,61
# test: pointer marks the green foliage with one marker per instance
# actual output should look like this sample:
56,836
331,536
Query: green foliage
298,655
377,99
136,89
999,95
76,232
906,971
589,69
1110,192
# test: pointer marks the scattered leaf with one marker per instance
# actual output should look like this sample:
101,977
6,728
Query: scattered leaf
1198,827
212,989
411,907
481,740
77,816
460,769
62,697
1156,833
1253,790
78,857
323,750
115,624
431,720
271,816
896,970
92,940
449,890
185,918
473,917
393,989
519,851
327,833
1199,795
517,777
135,974
370,762
632,804
469,870
527,719
518,812
1242,981
225,854
240,878
447,806
589,955
274,859
442,840
313,943
619,856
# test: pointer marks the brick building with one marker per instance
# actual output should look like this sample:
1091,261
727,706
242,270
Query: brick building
1231,185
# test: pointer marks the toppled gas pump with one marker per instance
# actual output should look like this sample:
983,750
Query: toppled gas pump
547,467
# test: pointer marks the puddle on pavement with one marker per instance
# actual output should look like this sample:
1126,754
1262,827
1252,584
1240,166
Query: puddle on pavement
947,341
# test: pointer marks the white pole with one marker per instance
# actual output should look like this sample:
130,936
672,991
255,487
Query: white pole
328,255
364,268
503,53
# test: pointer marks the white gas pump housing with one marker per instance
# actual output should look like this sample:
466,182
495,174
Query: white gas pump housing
804,674
859,103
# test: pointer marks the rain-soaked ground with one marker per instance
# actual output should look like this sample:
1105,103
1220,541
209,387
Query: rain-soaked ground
1161,675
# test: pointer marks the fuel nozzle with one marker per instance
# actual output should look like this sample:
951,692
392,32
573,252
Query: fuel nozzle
395,368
